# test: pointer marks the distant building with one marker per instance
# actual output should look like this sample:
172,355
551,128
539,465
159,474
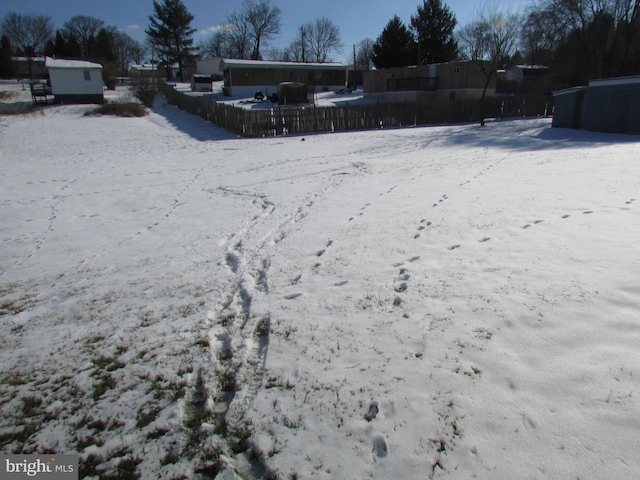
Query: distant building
75,81
153,70
525,80
458,80
210,66
243,78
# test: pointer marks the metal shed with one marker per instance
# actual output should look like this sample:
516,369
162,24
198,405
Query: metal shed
612,105
569,107
609,105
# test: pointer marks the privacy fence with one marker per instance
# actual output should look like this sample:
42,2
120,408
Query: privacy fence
267,122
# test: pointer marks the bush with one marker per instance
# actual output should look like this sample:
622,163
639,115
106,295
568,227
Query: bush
145,89
121,109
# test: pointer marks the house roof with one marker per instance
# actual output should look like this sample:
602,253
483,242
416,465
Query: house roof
607,82
63,63
228,62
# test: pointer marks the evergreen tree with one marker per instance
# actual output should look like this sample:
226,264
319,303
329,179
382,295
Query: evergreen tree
171,34
395,47
434,24
60,45
103,50
6,65
103,54
72,47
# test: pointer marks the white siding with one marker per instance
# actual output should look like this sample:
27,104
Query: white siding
71,81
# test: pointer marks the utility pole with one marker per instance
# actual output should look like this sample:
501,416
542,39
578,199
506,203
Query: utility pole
354,56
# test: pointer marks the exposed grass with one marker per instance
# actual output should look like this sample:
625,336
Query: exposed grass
146,415
104,383
121,109
5,95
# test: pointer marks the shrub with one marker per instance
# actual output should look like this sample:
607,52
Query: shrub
145,89
121,109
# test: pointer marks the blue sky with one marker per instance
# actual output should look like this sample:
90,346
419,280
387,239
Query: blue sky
357,19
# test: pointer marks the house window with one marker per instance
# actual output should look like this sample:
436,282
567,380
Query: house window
452,95
87,75
482,69
456,70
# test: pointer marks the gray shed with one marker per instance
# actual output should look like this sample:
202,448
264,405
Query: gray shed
569,107
612,105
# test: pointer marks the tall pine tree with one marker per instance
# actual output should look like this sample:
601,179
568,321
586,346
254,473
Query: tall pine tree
395,47
171,35
6,65
434,24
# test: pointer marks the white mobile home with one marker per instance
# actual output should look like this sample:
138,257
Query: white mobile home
75,81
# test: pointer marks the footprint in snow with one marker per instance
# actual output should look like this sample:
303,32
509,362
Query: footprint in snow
485,239
340,284
400,287
380,447
373,411
453,247
292,296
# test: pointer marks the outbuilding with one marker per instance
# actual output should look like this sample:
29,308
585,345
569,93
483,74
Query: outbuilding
75,81
568,111
612,105
201,83
608,105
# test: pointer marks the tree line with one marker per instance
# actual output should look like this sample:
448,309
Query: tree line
578,39
81,37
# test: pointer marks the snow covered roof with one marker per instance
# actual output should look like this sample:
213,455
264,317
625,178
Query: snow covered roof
228,62
63,63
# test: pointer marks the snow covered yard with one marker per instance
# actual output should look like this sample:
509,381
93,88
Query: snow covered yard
448,302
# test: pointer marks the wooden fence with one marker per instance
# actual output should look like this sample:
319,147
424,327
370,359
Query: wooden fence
306,119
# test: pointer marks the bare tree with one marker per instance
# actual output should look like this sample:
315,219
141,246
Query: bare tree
218,44
542,31
247,30
28,34
126,50
321,38
85,29
264,22
297,49
237,36
364,55
602,39
491,40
